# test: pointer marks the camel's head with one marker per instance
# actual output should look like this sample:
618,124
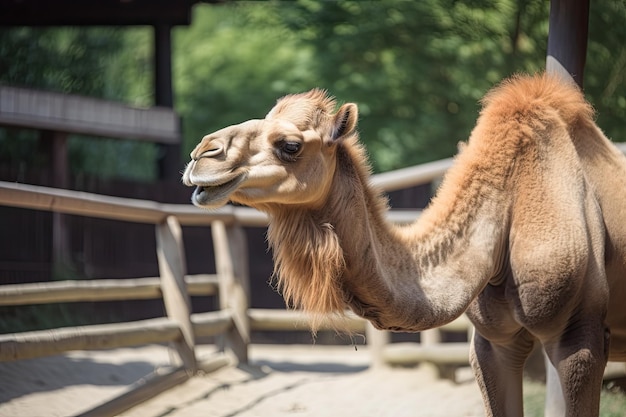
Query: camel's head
286,158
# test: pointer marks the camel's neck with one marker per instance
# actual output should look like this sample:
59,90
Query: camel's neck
403,278
424,274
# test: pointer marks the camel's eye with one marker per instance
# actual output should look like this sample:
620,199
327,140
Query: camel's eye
290,147
288,150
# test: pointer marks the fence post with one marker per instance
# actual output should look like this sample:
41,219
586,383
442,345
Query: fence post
172,268
432,337
377,340
231,262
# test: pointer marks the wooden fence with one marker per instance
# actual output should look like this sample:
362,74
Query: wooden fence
234,320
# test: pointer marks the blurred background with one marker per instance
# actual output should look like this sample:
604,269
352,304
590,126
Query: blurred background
416,69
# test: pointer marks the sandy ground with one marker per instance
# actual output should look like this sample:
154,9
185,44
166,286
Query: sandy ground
299,381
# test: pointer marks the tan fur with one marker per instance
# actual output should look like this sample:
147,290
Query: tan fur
310,110
526,233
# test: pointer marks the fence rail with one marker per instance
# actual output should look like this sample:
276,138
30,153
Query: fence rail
233,320
99,290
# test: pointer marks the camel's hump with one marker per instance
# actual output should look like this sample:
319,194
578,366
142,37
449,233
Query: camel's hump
525,94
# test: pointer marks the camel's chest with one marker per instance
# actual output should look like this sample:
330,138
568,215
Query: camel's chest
493,313
504,309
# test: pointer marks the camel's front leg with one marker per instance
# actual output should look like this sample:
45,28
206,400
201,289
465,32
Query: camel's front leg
499,369
580,356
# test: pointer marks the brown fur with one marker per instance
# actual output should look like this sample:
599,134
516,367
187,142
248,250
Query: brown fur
308,263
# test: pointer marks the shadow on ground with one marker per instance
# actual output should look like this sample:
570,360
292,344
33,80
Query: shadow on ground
29,376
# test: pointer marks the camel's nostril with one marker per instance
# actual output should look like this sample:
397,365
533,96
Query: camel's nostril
211,152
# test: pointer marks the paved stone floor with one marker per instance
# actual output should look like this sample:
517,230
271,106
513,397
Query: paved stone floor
285,380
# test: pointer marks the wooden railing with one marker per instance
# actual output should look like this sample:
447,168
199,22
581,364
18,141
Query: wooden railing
234,319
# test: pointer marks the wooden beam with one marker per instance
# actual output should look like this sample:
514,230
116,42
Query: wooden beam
443,358
211,323
275,319
75,202
163,95
96,12
411,176
34,344
172,268
413,353
102,336
231,263
290,320
567,39
146,388
169,163
45,110
99,290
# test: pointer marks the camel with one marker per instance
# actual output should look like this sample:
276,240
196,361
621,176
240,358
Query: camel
526,233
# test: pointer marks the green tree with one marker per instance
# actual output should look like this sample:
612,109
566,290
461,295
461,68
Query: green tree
60,59
605,69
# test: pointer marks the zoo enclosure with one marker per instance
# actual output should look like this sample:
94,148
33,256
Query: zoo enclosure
233,320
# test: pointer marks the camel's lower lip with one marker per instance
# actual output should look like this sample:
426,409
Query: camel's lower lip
215,195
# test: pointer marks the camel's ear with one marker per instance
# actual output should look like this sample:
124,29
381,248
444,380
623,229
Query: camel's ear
344,122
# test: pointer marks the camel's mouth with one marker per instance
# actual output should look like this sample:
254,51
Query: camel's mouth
215,195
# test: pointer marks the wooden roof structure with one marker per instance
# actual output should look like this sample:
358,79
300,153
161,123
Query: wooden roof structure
96,12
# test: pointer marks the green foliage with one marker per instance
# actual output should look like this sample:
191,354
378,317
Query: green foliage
65,60
612,401
605,73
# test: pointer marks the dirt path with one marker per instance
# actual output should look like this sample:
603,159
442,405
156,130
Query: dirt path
298,381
